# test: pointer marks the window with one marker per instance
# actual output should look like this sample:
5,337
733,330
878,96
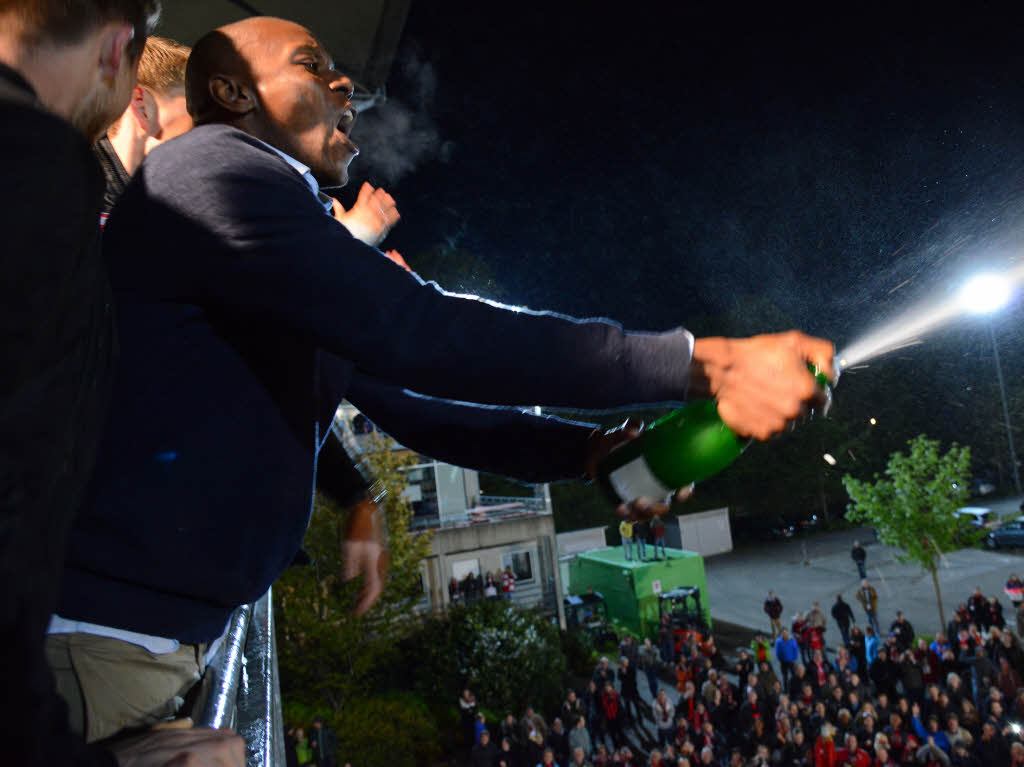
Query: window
522,564
465,567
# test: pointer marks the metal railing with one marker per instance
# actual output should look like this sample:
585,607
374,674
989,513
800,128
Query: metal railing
241,688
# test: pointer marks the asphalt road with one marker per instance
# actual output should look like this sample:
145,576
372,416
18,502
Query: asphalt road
816,568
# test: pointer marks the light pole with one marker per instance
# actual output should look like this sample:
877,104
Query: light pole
984,295
1006,410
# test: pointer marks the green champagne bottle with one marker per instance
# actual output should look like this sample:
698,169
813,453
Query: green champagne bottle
687,445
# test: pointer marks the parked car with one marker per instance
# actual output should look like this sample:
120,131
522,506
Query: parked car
1009,534
978,516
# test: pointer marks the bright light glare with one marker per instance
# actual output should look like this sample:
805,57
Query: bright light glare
829,459
985,294
872,421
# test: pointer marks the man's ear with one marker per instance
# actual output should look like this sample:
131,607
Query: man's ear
231,94
114,41
142,108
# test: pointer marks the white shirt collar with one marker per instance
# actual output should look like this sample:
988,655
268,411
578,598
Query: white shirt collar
303,170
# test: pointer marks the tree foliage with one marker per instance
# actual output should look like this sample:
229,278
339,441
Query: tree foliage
328,656
509,657
913,506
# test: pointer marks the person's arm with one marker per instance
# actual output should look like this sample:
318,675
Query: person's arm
265,249
500,440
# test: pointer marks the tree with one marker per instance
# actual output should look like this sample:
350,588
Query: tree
913,507
509,657
328,656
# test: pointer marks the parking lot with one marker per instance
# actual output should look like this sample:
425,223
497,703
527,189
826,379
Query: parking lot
818,567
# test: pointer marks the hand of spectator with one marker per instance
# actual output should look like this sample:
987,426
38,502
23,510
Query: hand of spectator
364,553
371,217
915,710
181,745
601,443
761,383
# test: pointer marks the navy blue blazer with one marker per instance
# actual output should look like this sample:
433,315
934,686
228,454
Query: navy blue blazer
246,314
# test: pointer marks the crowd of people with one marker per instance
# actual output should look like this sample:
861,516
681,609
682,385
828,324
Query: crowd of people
310,748
955,699
474,587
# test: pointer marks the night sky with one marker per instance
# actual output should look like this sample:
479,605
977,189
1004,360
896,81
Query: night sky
727,170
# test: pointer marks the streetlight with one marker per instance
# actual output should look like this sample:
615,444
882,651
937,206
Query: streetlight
983,295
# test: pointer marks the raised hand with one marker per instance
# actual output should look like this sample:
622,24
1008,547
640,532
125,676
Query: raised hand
371,216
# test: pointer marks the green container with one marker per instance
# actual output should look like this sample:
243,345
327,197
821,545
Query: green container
631,588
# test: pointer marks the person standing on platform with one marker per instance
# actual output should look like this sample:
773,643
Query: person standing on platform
626,532
658,531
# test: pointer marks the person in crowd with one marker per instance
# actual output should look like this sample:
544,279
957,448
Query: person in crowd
664,711
787,651
902,630
773,609
323,742
508,583
1014,590
815,617
859,556
628,689
579,738
490,587
303,749
611,707
507,755
467,714
558,741
628,648
579,758
533,724
484,753
603,673
842,614
478,727
868,598
510,731
572,708
995,614
650,662
991,747
66,73
977,608
798,629
533,751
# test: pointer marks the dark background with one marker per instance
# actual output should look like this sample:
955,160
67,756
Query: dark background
734,171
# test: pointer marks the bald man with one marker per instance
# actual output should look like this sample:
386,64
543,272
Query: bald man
256,312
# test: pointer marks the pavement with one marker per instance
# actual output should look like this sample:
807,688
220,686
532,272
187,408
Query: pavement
817,567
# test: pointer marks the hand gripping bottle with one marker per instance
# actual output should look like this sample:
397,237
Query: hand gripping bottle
687,445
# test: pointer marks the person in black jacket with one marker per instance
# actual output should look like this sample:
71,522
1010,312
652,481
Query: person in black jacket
257,312
484,753
628,688
66,72
843,616
859,555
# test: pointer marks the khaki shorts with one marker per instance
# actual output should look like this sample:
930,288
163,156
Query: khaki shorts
110,685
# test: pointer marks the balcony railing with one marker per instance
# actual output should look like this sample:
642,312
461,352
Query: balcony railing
241,688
